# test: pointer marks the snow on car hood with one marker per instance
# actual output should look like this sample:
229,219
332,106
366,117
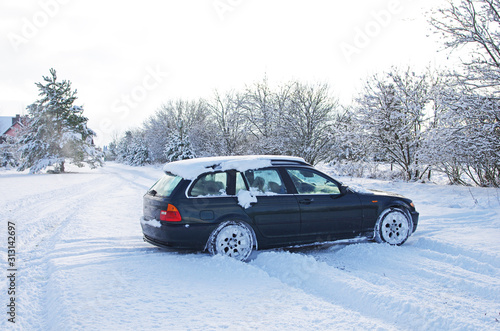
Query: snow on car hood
362,190
388,194
192,168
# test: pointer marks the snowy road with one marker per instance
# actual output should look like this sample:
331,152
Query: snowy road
82,264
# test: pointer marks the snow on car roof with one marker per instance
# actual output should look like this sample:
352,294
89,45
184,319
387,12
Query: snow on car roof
192,168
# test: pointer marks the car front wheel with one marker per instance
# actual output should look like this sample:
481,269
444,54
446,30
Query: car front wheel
393,226
233,239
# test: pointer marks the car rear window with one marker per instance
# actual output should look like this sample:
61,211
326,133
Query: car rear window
165,185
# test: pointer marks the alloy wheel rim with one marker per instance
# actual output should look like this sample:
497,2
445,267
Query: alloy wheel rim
234,241
394,228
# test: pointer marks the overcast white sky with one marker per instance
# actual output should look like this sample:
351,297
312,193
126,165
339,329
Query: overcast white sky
126,58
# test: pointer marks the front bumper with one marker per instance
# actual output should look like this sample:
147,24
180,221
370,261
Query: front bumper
414,216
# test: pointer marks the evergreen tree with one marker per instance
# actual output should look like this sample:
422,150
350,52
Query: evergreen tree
138,151
57,130
123,148
8,154
178,148
132,149
110,152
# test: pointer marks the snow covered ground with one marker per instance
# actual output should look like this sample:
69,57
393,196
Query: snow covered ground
81,264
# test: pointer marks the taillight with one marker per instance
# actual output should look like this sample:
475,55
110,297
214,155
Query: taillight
170,215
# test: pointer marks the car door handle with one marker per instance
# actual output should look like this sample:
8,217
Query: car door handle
306,201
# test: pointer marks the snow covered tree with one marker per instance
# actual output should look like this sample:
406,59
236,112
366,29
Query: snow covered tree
474,24
470,114
9,157
227,113
308,122
467,138
57,130
138,150
178,148
132,149
123,148
263,113
391,112
110,151
158,127
206,139
348,144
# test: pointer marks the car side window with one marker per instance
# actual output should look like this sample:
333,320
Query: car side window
212,184
310,182
265,181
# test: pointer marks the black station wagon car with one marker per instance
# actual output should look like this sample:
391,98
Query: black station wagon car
233,205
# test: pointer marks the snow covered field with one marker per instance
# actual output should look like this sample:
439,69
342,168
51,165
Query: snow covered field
81,264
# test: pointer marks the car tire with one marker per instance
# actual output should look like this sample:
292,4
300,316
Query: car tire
233,239
393,226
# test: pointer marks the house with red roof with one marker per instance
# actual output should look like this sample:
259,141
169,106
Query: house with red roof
10,126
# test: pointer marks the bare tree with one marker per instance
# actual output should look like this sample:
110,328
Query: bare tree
471,117
391,111
226,113
309,121
466,141
264,112
174,118
475,25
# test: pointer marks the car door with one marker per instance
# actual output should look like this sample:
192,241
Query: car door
326,212
276,213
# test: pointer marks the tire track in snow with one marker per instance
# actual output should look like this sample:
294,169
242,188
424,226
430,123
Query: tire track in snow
475,259
396,289
108,210
40,233
43,212
142,178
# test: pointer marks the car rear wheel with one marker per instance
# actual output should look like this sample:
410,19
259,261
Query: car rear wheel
233,239
393,226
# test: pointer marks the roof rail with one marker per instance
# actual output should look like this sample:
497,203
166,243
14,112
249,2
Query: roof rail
288,162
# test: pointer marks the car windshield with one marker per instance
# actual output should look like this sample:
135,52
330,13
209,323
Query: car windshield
165,185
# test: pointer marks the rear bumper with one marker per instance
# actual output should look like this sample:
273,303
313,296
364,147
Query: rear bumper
181,236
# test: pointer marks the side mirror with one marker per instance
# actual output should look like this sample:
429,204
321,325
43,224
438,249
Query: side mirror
343,189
